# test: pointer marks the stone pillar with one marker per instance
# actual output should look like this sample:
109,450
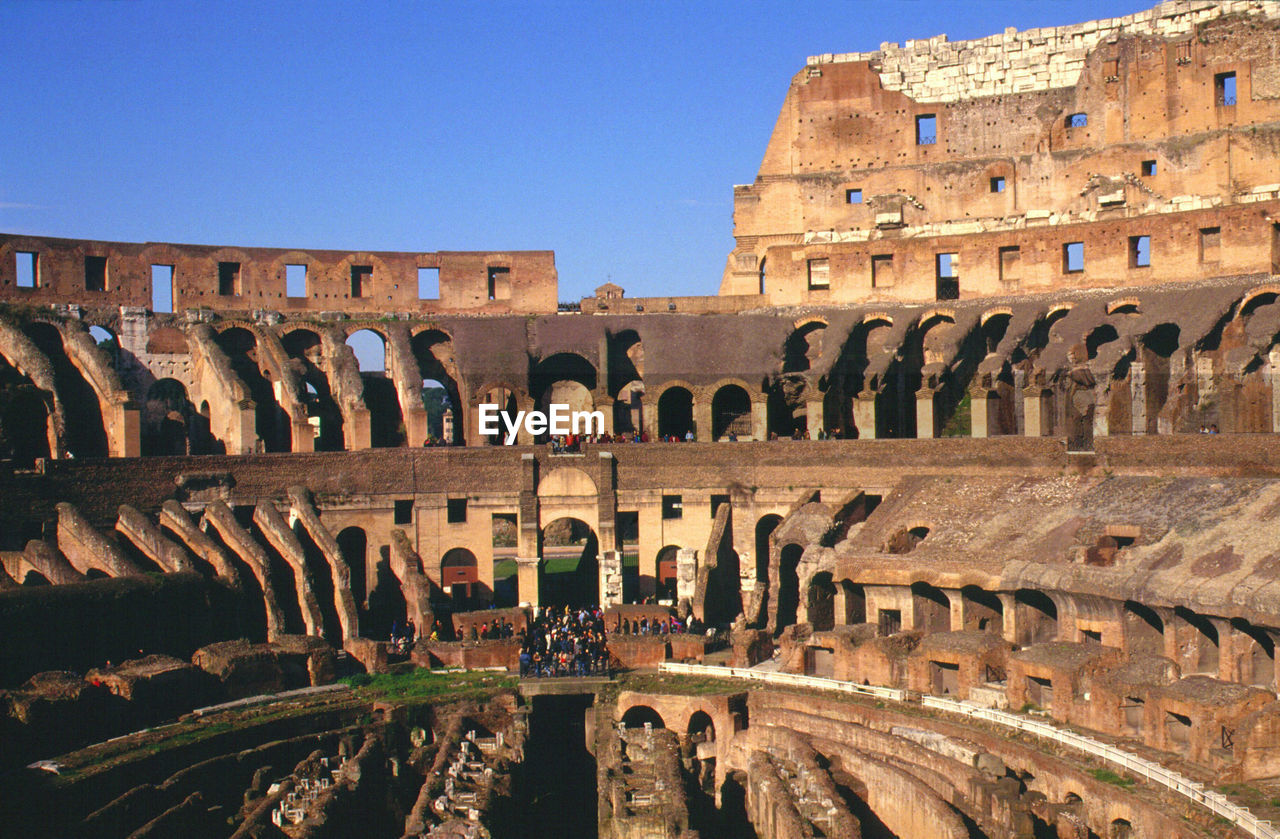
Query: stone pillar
1230,642
129,421
357,431
864,415
958,608
702,421
610,578
527,538
814,411
1138,397
415,427
1009,612
686,574
760,420
1274,378
1101,408
924,414
1036,404
527,579
978,413
302,434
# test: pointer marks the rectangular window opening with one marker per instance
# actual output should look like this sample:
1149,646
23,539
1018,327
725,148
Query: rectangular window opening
428,283
926,130
499,283
882,270
1077,120
853,196
403,511
162,288
672,507
1010,261
361,280
28,266
1148,168
1224,89
456,512
716,501
819,274
95,273
1073,257
1139,251
1111,70
1210,239
229,279
997,184
295,281
948,276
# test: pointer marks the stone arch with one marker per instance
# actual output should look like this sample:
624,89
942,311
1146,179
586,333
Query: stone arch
765,526
1198,642
433,349
804,345
1143,629
551,378
353,543
1124,306
1263,295
667,565
85,405
271,422
637,715
460,578
569,573
567,481
27,418
1256,663
170,423
701,726
386,418
821,601
984,611
731,412
1037,617
788,585
306,347
675,411
509,399
932,607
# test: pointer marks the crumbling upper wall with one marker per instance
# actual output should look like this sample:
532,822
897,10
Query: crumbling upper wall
245,279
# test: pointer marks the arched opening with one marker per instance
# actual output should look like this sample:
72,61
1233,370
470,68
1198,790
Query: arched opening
323,412
1143,629
702,761
764,529
441,398
1100,335
626,380
354,545
1198,643
569,573
821,602
788,585
675,413
170,424
983,610
638,715
386,420
564,379
702,729
761,276
731,413
1120,829
851,604
387,606
1257,662
460,577
271,423
96,574
108,343
508,409
1037,617
25,412
932,608
86,433
803,347
667,573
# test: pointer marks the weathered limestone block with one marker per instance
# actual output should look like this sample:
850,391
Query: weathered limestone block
42,557
273,527
301,509
139,530
219,515
244,669
174,516
407,566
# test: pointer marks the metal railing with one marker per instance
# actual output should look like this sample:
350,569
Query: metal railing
1216,802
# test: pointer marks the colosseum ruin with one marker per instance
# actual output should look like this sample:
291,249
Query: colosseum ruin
947,517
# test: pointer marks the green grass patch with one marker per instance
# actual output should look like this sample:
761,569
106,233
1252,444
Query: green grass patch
504,568
420,683
1109,777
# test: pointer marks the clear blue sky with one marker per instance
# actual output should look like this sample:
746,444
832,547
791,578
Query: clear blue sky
609,132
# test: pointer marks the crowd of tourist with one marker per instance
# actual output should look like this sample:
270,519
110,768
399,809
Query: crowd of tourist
563,641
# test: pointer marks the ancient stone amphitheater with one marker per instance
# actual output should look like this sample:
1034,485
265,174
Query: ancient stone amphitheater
970,473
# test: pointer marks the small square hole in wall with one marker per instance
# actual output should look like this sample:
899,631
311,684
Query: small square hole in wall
1139,251
853,196
28,267
295,281
1073,257
457,510
403,511
162,288
428,283
997,184
926,130
95,273
1148,168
